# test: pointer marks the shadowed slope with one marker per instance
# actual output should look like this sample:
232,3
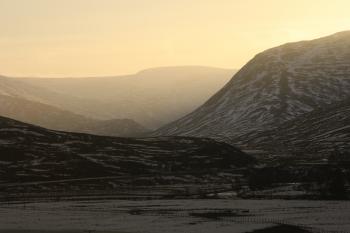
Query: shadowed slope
30,153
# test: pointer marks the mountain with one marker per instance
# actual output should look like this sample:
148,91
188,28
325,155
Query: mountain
33,154
109,105
276,86
151,97
54,118
320,133
14,87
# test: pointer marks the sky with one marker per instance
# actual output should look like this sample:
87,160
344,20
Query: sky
77,38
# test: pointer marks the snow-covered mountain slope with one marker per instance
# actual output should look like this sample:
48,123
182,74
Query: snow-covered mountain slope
320,133
32,154
152,97
55,118
276,86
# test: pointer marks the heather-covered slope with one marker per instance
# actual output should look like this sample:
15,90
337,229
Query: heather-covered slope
321,133
33,154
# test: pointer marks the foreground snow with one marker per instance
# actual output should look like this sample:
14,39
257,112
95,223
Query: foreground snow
174,215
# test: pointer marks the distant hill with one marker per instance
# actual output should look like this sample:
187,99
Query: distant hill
54,118
14,87
152,97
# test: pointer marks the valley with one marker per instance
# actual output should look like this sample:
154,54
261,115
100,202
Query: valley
268,152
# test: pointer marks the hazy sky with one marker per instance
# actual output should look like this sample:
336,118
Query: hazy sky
107,37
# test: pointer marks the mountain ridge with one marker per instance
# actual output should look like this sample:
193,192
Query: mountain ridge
274,87
57,119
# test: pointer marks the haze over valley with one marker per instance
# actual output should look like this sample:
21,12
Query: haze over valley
114,106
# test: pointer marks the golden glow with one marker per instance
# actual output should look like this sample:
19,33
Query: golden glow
107,37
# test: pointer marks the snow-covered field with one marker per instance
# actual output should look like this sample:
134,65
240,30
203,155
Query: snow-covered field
168,216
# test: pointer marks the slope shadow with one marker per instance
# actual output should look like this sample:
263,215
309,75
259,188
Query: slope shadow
282,229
